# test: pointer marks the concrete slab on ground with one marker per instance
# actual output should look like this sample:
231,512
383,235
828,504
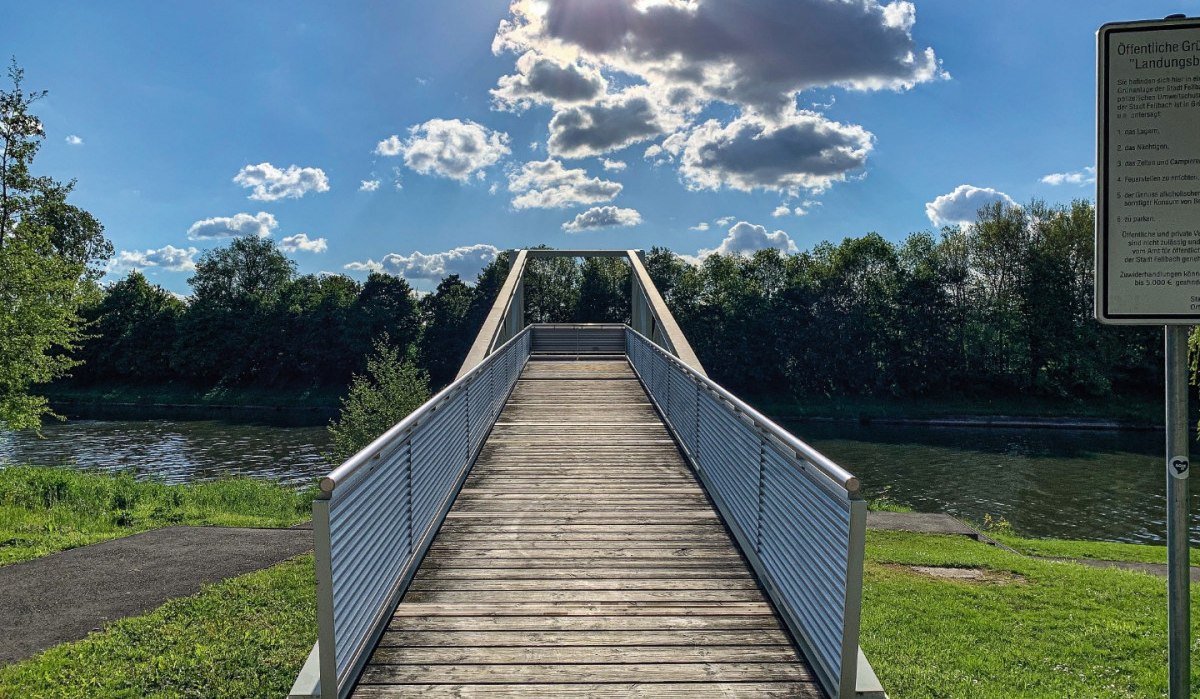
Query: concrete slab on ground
919,522
64,596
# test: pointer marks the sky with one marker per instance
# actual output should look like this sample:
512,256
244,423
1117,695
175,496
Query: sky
422,138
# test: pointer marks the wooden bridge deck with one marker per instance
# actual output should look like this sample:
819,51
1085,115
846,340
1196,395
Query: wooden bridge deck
582,558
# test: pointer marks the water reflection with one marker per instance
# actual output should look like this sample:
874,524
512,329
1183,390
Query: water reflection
1085,484
175,452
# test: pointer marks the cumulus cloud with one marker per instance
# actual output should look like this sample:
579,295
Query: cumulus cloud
269,183
448,148
546,184
368,185
260,224
702,226
609,124
465,261
167,257
542,79
724,220
614,165
801,150
746,238
302,243
1080,177
781,210
756,54
801,210
603,217
74,140
960,206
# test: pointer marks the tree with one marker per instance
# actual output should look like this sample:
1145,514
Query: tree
604,290
132,333
46,247
390,390
448,332
222,337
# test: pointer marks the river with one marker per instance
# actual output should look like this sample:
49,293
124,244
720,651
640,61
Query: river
1086,484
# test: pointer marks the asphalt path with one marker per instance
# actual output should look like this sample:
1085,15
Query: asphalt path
65,596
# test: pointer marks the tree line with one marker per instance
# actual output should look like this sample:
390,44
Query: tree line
1002,307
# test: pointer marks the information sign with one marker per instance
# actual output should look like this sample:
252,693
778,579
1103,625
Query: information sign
1148,173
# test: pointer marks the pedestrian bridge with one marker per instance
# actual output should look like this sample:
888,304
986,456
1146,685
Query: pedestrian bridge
582,512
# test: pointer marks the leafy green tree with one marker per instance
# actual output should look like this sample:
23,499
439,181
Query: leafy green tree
604,289
46,247
224,338
390,390
448,330
132,334
551,290
388,305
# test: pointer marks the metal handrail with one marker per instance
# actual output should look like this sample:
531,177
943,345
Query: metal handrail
848,481
377,513
798,517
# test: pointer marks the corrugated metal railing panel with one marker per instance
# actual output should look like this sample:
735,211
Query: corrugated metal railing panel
578,338
379,511
797,516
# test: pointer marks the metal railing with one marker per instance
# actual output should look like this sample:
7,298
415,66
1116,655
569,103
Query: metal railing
578,338
648,312
378,512
798,517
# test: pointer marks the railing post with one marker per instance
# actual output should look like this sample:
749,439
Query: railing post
853,608
323,563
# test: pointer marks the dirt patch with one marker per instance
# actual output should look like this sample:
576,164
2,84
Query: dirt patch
970,575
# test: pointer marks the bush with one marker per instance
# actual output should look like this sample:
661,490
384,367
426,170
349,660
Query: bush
391,389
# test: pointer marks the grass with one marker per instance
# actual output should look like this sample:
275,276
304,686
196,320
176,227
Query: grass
1048,629
1098,550
241,638
44,510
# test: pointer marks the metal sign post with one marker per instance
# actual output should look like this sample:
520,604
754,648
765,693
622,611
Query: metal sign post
1148,243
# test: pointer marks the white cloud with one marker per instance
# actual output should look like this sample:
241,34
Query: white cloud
167,257
74,140
702,226
757,55
603,217
724,220
270,183
746,238
961,206
260,224
799,150
368,185
542,79
465,261
614,165
448,148
1080,177
301,242
801,210
781,210
546,184
610,124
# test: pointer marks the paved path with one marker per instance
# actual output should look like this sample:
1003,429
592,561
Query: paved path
64,596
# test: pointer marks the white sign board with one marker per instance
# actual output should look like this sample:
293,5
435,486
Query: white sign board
1148,173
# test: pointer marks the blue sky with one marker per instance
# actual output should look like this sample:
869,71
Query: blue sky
358,135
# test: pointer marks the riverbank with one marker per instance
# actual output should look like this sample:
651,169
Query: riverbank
1141,413
284,406
44,510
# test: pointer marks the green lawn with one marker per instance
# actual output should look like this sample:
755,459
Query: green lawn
242,638
43,510
1037,629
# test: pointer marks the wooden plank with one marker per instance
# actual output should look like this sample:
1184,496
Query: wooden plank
618,622
582,572
679,637
639,690
633,672
424,584
583,609
463,655
582,596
